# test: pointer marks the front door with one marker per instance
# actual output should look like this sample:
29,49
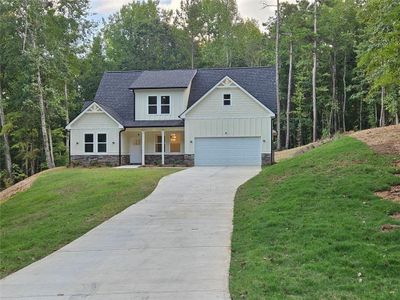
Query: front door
136,151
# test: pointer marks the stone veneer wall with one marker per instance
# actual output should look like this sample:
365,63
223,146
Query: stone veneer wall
176,159
266,159
98,160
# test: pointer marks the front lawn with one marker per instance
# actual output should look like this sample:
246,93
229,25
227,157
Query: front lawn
310,228
64,204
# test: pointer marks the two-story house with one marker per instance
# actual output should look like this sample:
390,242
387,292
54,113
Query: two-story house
194,117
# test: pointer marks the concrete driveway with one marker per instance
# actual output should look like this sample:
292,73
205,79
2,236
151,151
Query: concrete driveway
175,244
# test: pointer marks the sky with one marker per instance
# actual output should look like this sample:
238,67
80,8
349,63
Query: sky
247,8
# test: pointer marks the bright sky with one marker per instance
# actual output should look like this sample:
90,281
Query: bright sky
247,8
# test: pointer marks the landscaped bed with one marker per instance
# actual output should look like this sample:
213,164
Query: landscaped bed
311,228
64,204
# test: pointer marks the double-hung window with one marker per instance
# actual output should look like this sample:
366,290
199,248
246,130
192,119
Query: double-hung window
165,104
159,105
89,142
227,99
101,142
159,144
152,105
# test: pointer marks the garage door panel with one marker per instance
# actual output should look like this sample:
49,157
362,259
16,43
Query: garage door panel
222,151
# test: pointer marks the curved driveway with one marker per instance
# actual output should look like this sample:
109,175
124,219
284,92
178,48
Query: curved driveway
175,244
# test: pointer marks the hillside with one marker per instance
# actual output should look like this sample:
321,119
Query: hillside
311,227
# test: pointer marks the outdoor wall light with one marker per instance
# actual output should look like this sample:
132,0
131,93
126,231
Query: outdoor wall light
77,143
191,142
226,132
113,143
263,141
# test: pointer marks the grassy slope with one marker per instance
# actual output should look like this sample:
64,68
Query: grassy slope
305,228
64,204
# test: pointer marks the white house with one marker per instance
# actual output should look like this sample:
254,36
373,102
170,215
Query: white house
193,117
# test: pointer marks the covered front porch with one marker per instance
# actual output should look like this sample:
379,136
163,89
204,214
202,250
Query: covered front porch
153,146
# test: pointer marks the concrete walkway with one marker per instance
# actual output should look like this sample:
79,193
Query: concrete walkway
175,244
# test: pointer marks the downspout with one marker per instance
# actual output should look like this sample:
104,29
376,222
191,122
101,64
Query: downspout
69,147
272,148
120,155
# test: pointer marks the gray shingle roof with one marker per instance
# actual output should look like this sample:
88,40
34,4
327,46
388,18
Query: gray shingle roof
163,79
114,93
259,82
116,97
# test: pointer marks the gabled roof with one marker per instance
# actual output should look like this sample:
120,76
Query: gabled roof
115,94
163,79
259,82
91,106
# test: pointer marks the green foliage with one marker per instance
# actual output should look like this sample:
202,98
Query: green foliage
309,228
64,204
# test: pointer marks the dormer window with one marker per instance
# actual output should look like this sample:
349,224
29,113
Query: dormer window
165,105
152,105
159,105
227,99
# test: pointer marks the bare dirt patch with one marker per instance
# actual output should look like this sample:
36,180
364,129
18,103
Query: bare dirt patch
393,194
21,186
384,140
389,227
395,216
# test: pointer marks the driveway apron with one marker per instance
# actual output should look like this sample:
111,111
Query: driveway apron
175,244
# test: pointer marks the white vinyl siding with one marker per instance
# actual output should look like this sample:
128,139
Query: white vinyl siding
177,98
94,123
243,118
227,151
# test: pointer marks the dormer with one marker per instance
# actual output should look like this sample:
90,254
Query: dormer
162,95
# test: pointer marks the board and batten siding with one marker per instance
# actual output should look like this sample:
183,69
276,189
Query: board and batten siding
95,123
177,103
244,118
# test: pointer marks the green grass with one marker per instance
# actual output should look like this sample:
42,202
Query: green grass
306,227
64,204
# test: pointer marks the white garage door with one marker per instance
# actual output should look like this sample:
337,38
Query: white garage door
227,151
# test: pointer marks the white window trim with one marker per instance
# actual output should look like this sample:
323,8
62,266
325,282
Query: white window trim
152,105
94,143
223,100
158,112
169,105
97,142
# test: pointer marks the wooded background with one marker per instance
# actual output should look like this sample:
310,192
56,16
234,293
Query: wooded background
338,63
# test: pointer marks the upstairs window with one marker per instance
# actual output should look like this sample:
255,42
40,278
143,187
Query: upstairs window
227,99
152,105
101,142
165,104
89,143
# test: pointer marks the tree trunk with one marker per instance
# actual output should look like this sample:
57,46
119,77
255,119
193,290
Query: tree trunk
7,154
299,134
344,93
51,145
192,52
289,90
25,26
43,123
66,114
382,117
333,115
314,75
278,102
360,116
396,118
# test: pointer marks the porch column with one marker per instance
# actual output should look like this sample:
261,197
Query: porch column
162,146
143,147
